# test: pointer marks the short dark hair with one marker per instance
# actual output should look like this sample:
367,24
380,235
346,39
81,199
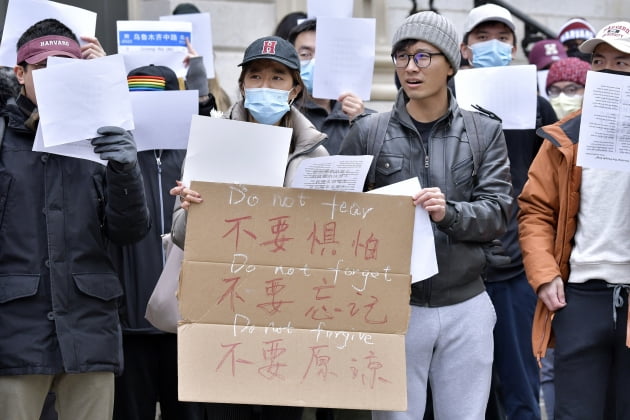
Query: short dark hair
185,8
402,45
307,25
43,28
287,23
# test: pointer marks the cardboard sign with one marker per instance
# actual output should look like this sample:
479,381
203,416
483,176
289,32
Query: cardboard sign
295,297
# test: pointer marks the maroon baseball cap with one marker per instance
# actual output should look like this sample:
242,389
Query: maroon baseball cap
38,49
546,52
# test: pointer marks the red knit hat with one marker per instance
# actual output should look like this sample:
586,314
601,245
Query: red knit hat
568,70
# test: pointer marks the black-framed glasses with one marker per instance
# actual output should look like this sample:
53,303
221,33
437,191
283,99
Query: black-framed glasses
422,59
569,90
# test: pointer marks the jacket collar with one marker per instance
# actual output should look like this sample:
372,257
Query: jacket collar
400,110
565,132
23,114
572,127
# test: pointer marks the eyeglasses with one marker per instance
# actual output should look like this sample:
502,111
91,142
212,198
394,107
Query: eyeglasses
569,90
422,59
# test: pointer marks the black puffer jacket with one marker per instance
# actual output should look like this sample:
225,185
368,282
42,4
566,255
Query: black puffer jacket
58,289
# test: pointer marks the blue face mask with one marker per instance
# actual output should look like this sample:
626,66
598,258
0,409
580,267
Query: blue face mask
266,105
306,71
493,53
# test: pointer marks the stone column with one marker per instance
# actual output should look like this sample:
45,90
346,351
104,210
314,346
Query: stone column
383,86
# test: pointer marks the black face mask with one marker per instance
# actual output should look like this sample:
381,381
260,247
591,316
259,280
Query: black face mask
618,72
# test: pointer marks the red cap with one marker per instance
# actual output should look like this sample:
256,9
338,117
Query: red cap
38,49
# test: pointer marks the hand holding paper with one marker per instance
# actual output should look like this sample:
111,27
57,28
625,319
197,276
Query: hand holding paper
423,259
351,105
116,145
92,48
345,57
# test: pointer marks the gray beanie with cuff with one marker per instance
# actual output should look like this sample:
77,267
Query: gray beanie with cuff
436,30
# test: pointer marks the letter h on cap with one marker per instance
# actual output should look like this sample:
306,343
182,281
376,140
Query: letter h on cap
269,47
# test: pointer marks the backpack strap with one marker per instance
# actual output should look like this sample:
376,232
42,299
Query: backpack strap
471,119
375,139
493,250
378,127
471,124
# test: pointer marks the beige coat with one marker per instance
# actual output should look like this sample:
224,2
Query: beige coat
307,143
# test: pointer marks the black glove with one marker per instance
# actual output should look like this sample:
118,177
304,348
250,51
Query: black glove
116,145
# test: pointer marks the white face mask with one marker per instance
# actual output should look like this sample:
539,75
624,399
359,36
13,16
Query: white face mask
564,105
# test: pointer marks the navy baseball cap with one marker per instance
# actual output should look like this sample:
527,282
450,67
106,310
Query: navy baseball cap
272,48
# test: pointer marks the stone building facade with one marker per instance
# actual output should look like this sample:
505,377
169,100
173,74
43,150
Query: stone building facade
235,23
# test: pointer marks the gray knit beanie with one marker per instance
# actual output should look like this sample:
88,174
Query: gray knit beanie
434,29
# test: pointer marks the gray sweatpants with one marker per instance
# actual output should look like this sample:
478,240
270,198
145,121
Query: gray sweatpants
451,346
79,396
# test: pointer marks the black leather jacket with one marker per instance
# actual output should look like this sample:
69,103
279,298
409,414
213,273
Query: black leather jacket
478,206
58,288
